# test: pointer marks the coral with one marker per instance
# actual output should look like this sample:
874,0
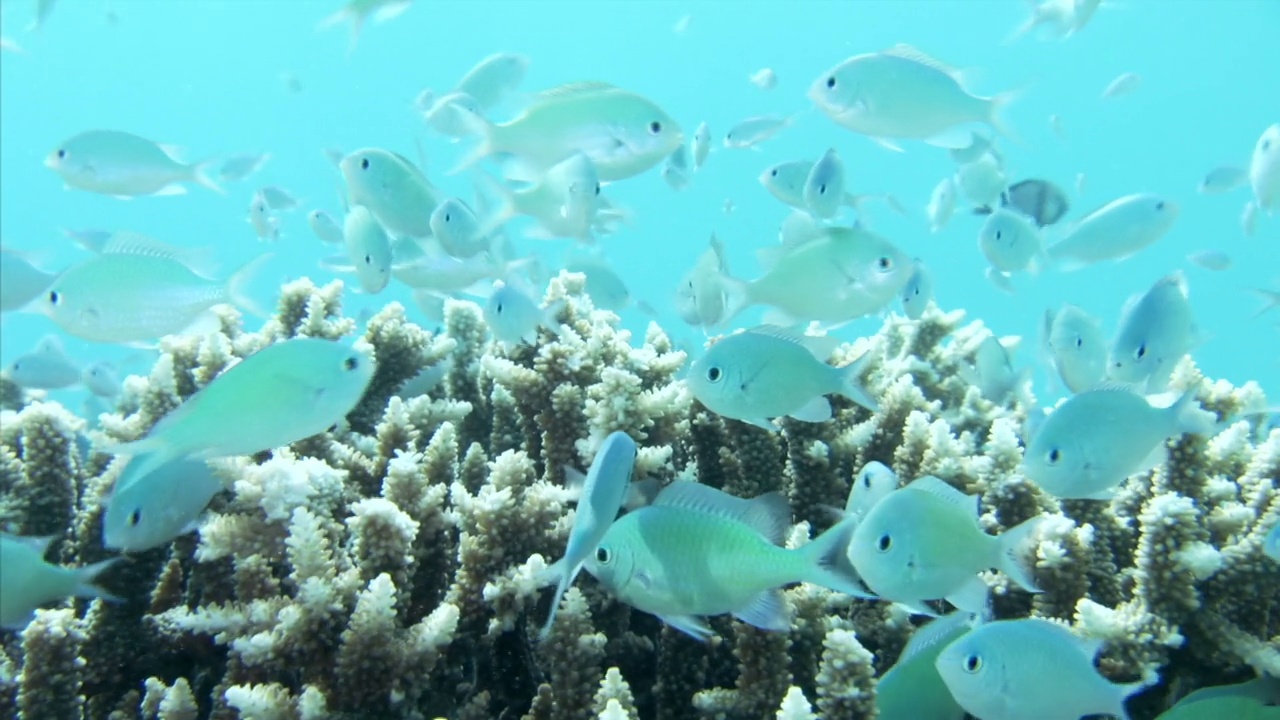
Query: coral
393,567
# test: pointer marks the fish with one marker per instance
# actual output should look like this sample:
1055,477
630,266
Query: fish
979,146
1096,439
901,93
20,280
29,582
923,542
603,491
992,372
427,267
769,372
1040,200
145,512
623,134
1011,242
368,250
698,552
918,292
701,145
1264,170
102,379
265,225
701,298
912,689
565,201
46,367
823,191
239,167
676,170
1215,260
356,12
442,117
457,228
1156,329
1227,706
787,182
513,316
872,484
838,275
1249,218
1222,179
1115,231
91,240
982,181
1262,691
1059,19
121,164
752,131
325,227
942,203
1123,84
764,78
494,79
605,288
394,190
277,198
283,393
138,290
1073,341
1029,668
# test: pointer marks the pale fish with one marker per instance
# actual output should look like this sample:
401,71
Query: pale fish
1096,439
1011,242
29,582
91,240
1054,19
839,275
823,191
444,119
902,93
46,367
1040,200
769,372
606,290
754,130
1156,329
912,689
1270,299
1221,179
368,250
698,552
918,292
701,145
979,146
20,280
787,181
102,379
701,298
622,133
764,78
1123,84
393,189
44,8
923,542
1077,350
239,167
676,169
357,12
1115,231
942,203
1249,218
872,484
325,227
1057,127
494,79
1264,170
285,392
1215,260
565,201
427,267
266,226
111,162
136,292
145,512
1271,545
1029,668
514,316
458,230
277,198
992,371
603,491
981,181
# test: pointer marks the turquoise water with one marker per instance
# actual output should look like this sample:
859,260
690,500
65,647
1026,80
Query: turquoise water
207,76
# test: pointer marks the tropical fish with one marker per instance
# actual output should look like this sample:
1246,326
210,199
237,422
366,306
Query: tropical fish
368,250
871,485
912,689
393,189
514,316
118,163
824,187
787,181
1114,231
1011,242
701,145
46,367
1264,170
102,379
457,228
494,79
1123,84
992,371
1074,342
752,131
1156,329
942,203
145,512
29,582
325,227
982,181
700,297
918,292
1039,200
1221,179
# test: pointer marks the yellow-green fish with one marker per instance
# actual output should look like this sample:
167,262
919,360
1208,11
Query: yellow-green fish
1228,707
20,280
393,188
118,163
912,688
145,512
281,394
1076,348
28,582
1115,231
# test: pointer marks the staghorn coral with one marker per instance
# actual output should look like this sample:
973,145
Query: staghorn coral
392,567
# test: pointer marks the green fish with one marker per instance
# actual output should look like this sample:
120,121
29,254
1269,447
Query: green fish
1256,699
117,163
697,551
279,395
393,189
912,688
29,582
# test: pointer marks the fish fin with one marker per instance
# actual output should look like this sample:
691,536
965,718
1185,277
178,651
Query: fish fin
851,385
202,175
339,263
1000,280
917,607
86,576
1191,418
689,625
476,125
767,611
238,285
938,632
551,316
40,544
170,190
50,345
820,346
641,493
815,411
995,110
567,575
504,208
768,514
886,143
1015,561
198,260
769,256
390,10
574,480
944,491
909,52
973,597
737,296
827,565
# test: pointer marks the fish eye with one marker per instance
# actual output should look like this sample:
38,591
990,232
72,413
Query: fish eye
884,263
498,308
602,555
1160,205
54,297
62,154
597,188
822,189
1140,352
831,82
773,172
972,664
714,374
1079,342
884,543
364,164
1266,145
1055,455
368,260
135,517
655,127
999,234
351,363
447,217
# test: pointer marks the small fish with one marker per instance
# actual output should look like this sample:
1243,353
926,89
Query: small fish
427,267
1264,170
606,290
29,582
20,280
145,512
901,93
493,80
279,395
603,491
981,182
787,181
357,12
755,130
872,484
368,250
393,188
1156,329
117,163
769,372
1055,124
824,187
701,145
265,225
1039,200
239,167
697,551
1249,218
46,367
457,228
942,203
1222,179
979,146
764,78
992,371
1011,242
566,201
1215,260
291,82
1271,546
442,117
700,298
325,227
513,316
923,542
1124,84
277,198
912,689
1096,439
1115,231
102,379
918,292
1029,668
676,170
1056,19
1074,342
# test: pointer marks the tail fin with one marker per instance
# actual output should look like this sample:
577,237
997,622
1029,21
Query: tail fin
826,564
200,174
1015,560
86,576
851,383
238,285
995,109
737,296
477,125
566,574
1193,419
504,208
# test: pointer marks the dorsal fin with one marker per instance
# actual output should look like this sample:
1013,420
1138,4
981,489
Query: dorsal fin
768,514
50,345
907,52
936,632
570,89
940,489
126,242
820,346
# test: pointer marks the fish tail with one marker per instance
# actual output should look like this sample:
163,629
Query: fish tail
506,204
1015,560
851,383
201,174
737,296
825,562
238,285
565,575
1191,418
482,128
86,576
995,110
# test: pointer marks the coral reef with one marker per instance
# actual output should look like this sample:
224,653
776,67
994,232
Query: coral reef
390,568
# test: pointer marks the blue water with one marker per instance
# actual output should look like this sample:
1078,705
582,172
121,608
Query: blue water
207,76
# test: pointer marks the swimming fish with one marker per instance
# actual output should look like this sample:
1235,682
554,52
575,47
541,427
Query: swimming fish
701,297
701,145
239,167
923,542
102,379
357,12
442,117
494,79
1077,350
29,582
1029,668
1271,546
942,203
605,288
918,292
787,182
393,189
764,78
457,228
513,316
992,372
1215,260
1235,707
277,198
752,131
265,225
118,163
368,250
697,551
325,227
1060,19
1040,200
1156,329
46,367
872,484
982,181
1011,242
1264,170
1221,179
824,187
565,201
901,93
1115,231
1123,84
283,393
145,512
912,689
603,492
676,170
768,372
427,267
1096,439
